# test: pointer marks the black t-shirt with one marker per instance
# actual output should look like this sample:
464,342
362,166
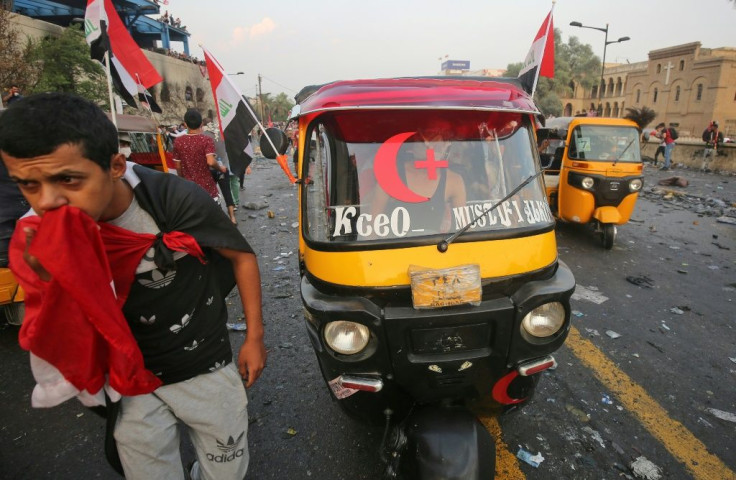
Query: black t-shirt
178,319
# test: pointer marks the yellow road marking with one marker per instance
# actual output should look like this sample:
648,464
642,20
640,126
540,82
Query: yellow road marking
507,467
677,439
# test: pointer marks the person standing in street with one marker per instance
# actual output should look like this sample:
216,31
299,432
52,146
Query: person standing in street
713,139
156,342
222,179
194,156
668,136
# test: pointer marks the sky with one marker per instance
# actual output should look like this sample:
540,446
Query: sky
295,43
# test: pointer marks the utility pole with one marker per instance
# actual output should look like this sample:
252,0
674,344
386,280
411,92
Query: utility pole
260,97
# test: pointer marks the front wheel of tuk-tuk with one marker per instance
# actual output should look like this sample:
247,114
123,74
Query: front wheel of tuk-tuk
609,235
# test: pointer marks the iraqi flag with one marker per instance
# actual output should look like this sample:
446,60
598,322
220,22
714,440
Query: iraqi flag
105,32
541,57
236,116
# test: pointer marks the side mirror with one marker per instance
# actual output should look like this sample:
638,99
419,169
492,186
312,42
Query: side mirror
279,140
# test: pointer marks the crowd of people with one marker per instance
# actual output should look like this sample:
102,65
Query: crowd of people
170,20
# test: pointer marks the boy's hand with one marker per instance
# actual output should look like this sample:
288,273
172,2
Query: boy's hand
31,260
251,360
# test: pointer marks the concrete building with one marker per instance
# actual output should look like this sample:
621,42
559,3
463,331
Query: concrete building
685,84
185,83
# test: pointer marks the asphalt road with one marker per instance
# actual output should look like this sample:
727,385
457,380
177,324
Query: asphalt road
662,390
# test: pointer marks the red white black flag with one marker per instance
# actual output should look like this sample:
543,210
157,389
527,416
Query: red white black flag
541,57
105,32
235,114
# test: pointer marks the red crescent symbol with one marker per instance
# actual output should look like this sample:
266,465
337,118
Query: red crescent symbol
387,174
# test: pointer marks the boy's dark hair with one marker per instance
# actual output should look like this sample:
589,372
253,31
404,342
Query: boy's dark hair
193,118
39,124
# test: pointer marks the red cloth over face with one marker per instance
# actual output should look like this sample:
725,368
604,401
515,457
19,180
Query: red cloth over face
75,321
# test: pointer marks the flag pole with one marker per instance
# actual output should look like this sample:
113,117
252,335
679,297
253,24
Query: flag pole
159,141
113,114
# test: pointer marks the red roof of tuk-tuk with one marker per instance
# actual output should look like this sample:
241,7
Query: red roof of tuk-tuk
422,92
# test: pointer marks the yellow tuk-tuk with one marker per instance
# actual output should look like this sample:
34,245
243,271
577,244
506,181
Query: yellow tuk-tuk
430,275
593,171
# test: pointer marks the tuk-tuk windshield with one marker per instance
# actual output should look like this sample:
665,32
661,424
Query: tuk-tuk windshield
605,143
379,175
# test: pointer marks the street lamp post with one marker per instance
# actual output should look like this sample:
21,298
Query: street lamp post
606,43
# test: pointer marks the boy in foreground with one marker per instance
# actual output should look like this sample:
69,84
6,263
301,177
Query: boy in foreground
186,255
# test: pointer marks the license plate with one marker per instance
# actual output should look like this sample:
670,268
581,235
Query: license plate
445,287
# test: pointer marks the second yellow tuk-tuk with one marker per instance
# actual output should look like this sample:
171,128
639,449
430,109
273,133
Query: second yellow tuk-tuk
593,171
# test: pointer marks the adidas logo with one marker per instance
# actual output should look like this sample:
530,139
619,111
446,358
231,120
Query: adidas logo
176,328
195,344
230,445
230,450
148,321
158,279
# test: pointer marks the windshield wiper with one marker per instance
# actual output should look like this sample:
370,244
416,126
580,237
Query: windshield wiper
615,160
442,246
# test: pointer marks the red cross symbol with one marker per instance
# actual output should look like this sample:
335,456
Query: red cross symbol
431,164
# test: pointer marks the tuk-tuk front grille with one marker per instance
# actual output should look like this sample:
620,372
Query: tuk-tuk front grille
606,190
456,338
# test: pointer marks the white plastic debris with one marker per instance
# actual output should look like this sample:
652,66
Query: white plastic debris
677,311
646,470
526,456
612,334
727,416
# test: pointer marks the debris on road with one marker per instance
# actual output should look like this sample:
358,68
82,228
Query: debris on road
612,334
677,310
641,281
236,326
646,470
674,182
656,346
527,457
727,416
725,219
590,294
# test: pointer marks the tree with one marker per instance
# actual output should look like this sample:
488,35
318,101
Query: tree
14,68
65,65
575,63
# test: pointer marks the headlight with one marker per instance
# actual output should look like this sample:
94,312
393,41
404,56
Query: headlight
346,337
635,185
587,183
545,320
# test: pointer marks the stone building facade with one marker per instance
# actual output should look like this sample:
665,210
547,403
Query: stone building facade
685,84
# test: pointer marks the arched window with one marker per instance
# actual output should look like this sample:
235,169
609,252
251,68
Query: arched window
607,111
619,87
188,96
610,89
659,68
571,86
638,95
594,91
200,95
682,65
699,94
615,109
677,94
656,94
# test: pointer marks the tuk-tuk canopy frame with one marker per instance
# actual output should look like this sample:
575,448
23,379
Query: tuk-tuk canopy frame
460,93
